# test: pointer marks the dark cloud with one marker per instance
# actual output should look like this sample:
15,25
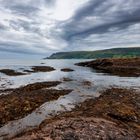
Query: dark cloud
88,9
119,19
49,2
3,27
23,9
18,48
24,25
12,47
101,29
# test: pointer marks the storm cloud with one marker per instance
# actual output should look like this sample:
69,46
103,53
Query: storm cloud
46,26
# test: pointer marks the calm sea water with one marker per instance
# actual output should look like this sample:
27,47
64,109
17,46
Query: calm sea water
80,74
81,92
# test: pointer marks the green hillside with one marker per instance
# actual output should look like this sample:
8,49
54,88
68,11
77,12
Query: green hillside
109,53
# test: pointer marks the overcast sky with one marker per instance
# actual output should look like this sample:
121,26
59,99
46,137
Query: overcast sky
47,26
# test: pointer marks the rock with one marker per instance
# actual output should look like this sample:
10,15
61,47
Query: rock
121,67
86,83
67,79
42,69
22,101
67,70
11,72
81,129
108,117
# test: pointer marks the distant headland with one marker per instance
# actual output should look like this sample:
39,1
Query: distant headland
108,53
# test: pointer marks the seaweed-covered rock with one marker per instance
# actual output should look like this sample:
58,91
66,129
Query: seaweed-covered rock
121,67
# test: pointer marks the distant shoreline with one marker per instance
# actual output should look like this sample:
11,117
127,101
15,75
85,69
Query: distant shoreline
108,53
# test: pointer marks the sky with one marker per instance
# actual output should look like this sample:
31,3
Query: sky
48,26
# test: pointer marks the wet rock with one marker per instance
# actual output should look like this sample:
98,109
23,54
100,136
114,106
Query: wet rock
37,86
65,79
81,129
86,83
35,69
28,71
115,115
42,69
121,67
70,136
22,101
11,72
67,70
123,118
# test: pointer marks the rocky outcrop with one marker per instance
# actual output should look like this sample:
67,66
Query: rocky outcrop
121,67
11,72
22,101
67,70
115,115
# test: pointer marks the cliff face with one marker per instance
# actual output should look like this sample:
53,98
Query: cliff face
109,53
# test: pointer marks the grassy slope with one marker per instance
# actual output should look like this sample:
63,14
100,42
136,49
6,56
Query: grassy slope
109,53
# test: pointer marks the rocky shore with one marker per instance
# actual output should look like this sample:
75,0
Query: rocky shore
11,72
115,115
20,102
121,67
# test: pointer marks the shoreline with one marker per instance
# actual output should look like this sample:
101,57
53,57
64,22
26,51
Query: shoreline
114,114
24,100
129,67
116,109
33,69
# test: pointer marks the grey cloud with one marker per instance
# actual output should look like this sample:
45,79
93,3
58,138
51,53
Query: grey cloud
27,26
12,47
20,8
88,9
31,27
3,27
120,19
19,48
120,25
49,2
23,9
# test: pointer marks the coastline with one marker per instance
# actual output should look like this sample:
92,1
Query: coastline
113,114
117,66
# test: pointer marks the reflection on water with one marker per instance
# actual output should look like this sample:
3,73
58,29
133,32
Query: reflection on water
80,92
80,74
